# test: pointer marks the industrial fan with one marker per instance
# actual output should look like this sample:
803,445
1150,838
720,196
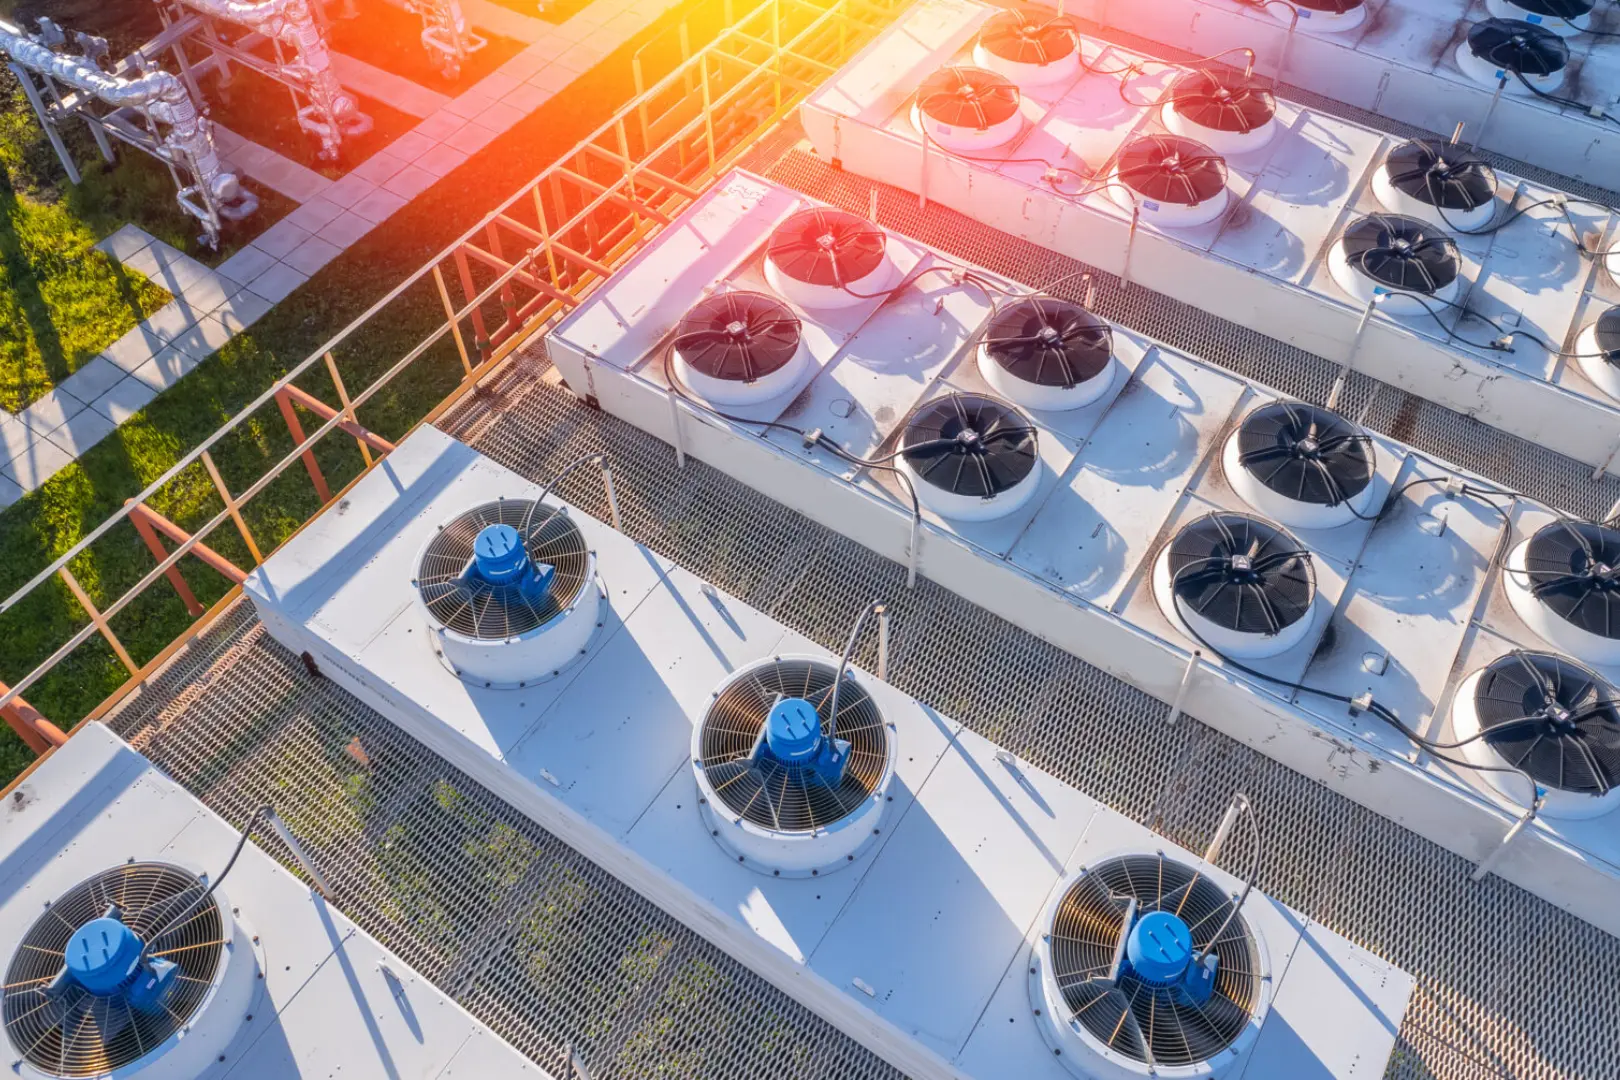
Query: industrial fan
1301,465
1522,56
739,348
1240,585
1333,16
1566,18
1549,717
1048,354
1412,265
825,258
968,109
1598,350
1031,52
509,589
1171,181
1144,969
793,775
970,457
1222,110
1444,184
132,969
1564,582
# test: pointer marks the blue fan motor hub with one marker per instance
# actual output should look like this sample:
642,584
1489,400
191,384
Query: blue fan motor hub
793,736
500,558
105,958
1159,952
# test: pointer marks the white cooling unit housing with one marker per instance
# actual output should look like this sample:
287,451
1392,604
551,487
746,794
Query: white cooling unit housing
830,833
1352,245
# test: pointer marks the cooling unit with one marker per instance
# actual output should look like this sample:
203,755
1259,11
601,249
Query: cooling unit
1598,351
1536,716
970,457
1411,266
1564,581
1047,354
1524,57
740,348
1031,52
1566,18
821,258
1333,16
1445,184
1302,465
1221,110
1171,181
1238,584
968,110
1143,968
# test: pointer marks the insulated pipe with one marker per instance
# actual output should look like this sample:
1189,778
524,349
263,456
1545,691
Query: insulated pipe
78,71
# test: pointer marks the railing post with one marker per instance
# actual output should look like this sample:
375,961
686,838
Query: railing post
348,409
232,507
36,732
137,518
290,415
469,291
450,317
96,617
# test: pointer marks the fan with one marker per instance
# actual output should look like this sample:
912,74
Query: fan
1240,585
1565,584
968,109
788,787
1444,184
970,457
1304,466
1139,972
1047,354
825,258
1333,16
1566,18
130,969
1550,717
1598,350
1172,181
1030,52
739,348
1504,51
1221,110
510,591
1414,266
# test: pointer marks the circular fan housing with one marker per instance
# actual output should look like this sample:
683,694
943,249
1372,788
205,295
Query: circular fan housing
1137,1026
1326,16
60,1027
968,110
821,258
1444,184
1549,716
1301,465
1566,18
508,631
1410,262
1030,52
1500,50
970,457
1222,110
776,817
1565,584
1598,350
1238,583
740,348
1172,181
1047,354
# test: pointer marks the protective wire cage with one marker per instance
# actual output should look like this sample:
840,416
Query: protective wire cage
1441,174
1223,101
1574,568
467,604
779,796
1402,252
1152,1024
71,1032
1305,453
1552,718
968,444
738,336
1171,169
823,246
968,97
1012,35
1242,573
1049,342
1518,47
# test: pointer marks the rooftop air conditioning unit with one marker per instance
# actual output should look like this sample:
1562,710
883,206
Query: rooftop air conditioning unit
1222,110
510,591
968,110
1238,584
1526,57
1411,265
1445,184
1564,582
1047,354
1549,718
821,258
740,348
1030,52
1144,968
970,457
1333,16
1173,182
140,969
1566,18
1301,465
794,765
1597,348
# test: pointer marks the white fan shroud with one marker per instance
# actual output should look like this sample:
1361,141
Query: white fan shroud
1168,215
1362,288
969,140
1327,22
1285,511
1397,201
734,392
1506,9
1548,625
1484,73
811,296
1061,70
1604,375
1029,395
1229,143
1237,644
793,853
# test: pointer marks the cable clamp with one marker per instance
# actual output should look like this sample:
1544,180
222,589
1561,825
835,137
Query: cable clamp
811,438
1361,703
1456,487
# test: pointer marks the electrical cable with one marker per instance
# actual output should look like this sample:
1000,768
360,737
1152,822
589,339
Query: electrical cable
843,663
1249,882
179,920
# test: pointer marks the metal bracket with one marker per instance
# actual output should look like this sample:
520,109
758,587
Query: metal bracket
883,641
675,430
1343,377
1490,110
1130,244
298,853
1224,829
1186,684
1488,863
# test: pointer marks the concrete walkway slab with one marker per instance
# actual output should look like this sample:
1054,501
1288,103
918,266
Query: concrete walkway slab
411,98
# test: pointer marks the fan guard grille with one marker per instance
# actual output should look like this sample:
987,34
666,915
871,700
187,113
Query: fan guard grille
1012,35
1305,453
767,792
738,336
1172,169
1575,743
1574,568
1402,253
468,605
81,1034
970,445
1133,1018
1556,9
1224,102
968,97
1274,590
1049,342
1441,174
823,246
1516,46
1607,333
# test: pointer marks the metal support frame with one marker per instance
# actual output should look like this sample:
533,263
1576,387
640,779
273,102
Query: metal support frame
305,863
